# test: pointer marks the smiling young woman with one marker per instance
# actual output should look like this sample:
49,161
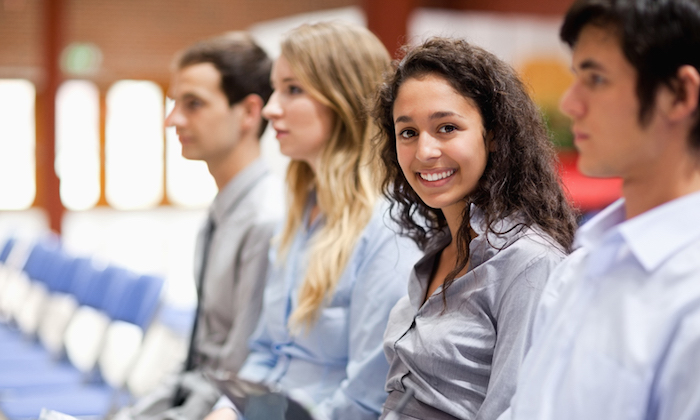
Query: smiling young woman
466,153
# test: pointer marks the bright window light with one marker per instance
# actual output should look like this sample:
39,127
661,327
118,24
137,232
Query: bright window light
17,144
78,143
134,145
187,182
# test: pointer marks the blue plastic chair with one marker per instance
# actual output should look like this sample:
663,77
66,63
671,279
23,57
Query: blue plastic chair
63,269
37,266
95,289
137,307
6,249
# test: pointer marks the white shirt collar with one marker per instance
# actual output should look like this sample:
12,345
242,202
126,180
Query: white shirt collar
653,236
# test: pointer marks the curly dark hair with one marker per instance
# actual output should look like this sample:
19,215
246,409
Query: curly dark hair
520,178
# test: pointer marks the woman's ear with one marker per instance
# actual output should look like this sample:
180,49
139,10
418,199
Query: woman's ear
491,145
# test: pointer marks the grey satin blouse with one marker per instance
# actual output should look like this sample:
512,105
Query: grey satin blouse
464,363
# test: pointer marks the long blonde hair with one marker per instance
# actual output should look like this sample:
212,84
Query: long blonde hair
341,66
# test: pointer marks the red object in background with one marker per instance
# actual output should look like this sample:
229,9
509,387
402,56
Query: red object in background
587,194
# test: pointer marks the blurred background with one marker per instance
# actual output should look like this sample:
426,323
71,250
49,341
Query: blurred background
83,94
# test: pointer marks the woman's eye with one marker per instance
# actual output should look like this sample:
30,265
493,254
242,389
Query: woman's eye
447,128
294,90
407,134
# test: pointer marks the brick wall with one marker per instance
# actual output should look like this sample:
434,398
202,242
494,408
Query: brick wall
138,38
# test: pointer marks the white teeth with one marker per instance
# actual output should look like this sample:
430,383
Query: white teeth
436,176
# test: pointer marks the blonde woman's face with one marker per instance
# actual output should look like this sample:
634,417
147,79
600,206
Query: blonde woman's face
302,123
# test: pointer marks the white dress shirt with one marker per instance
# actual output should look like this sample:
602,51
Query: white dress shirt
617,333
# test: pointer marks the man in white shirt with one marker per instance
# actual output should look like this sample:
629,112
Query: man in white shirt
617,332
219,87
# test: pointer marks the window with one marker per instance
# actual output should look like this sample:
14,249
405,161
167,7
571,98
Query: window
188,182
78,144
17,144
134,145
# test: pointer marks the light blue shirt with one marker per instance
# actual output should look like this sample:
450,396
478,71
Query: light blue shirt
617,332
339,362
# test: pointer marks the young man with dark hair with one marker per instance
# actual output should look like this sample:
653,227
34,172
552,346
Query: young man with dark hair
617,334
219,87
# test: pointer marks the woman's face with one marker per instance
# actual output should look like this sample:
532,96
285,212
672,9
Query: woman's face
302,123
439,141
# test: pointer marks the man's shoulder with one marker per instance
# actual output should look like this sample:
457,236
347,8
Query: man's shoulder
264,203
563,276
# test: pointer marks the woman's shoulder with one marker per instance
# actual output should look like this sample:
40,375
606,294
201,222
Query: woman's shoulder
531,247
511,234
382,232
534,239
517,252
381,224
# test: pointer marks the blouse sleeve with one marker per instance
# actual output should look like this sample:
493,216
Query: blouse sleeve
260,360
381,281
514,318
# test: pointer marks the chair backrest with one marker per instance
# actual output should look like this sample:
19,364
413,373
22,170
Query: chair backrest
92,286
162,353
45,263
11,269
68,270
118,294
19,253
17,285
15,288
124,336
85,334
52,329
63,304
141,300
41,257
29,313
121,347
6,248
56,269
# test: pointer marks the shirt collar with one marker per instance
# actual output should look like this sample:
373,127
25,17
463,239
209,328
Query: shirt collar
594,232
236,188
653,236
481,248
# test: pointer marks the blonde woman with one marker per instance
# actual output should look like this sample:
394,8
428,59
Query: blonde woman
337,268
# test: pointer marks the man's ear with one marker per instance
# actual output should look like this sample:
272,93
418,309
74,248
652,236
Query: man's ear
686,89
252,112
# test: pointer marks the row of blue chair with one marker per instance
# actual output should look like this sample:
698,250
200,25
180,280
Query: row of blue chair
72,330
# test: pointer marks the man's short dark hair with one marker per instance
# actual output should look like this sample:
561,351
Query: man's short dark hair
656,36
244,66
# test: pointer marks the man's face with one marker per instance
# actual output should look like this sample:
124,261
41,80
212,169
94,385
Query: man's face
603,105
208,128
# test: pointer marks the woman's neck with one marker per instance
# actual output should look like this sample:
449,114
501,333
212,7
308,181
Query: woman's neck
454,215
314,212
448,258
